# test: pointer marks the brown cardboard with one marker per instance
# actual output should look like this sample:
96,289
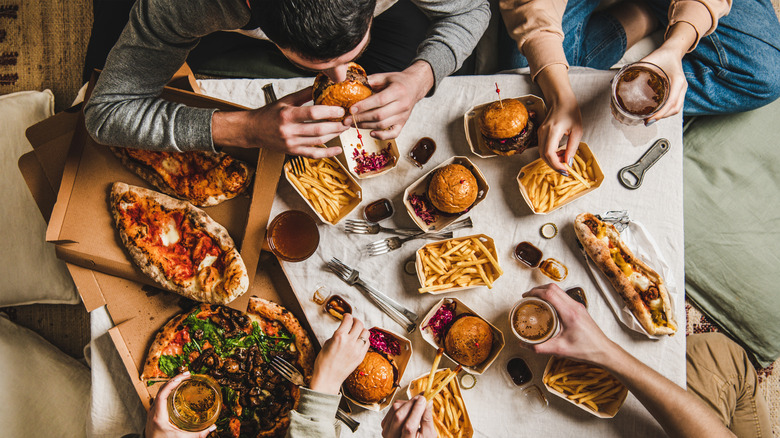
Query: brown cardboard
81,223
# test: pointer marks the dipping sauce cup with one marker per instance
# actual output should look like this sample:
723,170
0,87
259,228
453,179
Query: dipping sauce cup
533,320
293,236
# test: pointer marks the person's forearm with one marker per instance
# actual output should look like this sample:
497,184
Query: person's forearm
229,128
424,78
555,85
678,412
679,39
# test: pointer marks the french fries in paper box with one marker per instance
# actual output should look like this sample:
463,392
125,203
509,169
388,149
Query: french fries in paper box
460,308
420,187
401,361
351,144
449,408
545,190
327,188
457,264
474,134
589,387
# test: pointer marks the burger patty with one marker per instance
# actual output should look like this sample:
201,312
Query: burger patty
520,142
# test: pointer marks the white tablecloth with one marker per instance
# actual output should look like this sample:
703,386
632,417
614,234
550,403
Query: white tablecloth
495,408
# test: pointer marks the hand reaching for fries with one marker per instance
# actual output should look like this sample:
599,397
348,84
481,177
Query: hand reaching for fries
409,419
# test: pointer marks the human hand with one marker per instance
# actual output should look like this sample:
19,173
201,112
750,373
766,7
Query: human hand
409,419
671,63
340,355
158,425
563,118
396,93
283,126
580,336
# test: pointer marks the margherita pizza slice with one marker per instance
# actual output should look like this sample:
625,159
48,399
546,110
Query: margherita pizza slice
202,178
642,289
235,348
178,245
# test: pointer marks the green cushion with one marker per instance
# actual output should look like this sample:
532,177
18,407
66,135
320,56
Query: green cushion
732,225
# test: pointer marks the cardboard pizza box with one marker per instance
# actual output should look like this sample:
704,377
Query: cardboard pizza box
81,225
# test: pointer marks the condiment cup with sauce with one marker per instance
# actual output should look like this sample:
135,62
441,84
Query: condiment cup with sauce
534,320
531,256
378,210
293,236
195,404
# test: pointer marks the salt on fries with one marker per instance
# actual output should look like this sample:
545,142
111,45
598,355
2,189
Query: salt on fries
325,185
547,189
585,384
460,262
449,411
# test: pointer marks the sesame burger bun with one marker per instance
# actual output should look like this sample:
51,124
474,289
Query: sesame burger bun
506,127
373,380
469,341
453,188
344,94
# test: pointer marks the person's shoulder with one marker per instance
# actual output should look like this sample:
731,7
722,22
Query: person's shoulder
201,17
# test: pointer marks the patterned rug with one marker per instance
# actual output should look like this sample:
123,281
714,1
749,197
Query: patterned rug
768,381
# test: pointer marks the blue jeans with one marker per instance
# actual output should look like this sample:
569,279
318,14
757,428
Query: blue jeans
734,69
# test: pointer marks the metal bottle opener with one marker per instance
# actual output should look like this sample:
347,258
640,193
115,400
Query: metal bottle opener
638,169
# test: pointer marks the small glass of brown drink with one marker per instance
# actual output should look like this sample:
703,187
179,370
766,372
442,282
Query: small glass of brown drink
195,404
639,91
533,320
293,236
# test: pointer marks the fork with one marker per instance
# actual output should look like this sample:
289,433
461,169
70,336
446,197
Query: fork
392,243
289,372
358,226
403,316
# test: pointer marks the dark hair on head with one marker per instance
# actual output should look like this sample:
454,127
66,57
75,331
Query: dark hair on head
316,29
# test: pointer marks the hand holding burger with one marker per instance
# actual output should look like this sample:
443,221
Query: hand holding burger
343,94
340,354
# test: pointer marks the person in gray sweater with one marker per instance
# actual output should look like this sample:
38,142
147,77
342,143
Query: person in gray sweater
318,35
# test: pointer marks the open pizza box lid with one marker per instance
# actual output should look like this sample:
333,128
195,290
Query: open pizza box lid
81,225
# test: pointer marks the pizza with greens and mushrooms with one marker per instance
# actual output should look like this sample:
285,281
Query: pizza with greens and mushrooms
236,348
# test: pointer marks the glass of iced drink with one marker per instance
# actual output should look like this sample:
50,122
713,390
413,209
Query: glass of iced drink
639,91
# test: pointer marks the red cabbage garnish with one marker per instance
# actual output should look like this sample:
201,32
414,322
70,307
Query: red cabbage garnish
441,319
380,341
423,208
367,163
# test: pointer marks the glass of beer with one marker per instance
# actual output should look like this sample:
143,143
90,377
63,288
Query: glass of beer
293,236
533,320
195,404
639,91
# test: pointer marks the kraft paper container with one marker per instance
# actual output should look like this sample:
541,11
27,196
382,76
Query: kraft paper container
460,308
468,429
418,263
349,142
585,153
401,361
607,411
420,187
353,185
474,135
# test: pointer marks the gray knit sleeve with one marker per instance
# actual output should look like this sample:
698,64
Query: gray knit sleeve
124,109
315,415
457,27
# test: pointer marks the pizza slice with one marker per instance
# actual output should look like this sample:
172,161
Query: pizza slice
235,348
202,178
178,245
641,288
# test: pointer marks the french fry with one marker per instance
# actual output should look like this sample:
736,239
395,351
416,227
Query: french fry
436,361
587,385
325,186
460,262
449,412
547,190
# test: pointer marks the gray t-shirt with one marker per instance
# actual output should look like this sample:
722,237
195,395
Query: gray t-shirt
125,109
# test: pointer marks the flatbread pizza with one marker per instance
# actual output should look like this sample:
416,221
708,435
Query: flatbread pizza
178,245
642,289
202,178
236,348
